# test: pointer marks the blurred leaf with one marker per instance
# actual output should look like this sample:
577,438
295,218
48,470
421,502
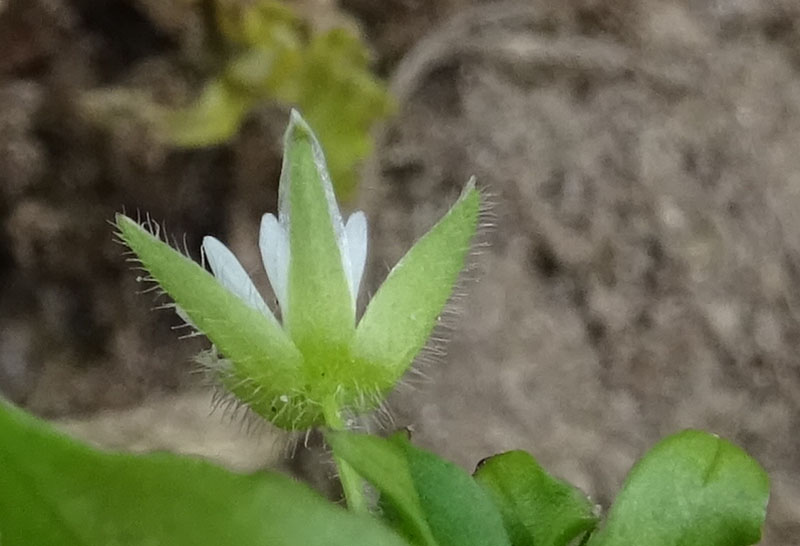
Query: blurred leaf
691,489
260,72
212,118
326,77
55,491
258,23
436,501
538,509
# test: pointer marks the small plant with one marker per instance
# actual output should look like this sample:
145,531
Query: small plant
269,56
318,365
264,54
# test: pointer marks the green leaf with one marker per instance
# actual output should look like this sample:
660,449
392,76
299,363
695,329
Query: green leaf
691,489
55,491
436,502
538,509
266,72
212,118
403,313
266,366
259,23
384,464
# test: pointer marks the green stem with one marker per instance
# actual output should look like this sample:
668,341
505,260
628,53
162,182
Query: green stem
352,482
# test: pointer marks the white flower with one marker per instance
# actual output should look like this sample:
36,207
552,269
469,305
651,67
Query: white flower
274,243
318,362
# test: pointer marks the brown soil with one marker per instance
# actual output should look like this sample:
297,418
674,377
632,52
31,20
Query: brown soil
641,277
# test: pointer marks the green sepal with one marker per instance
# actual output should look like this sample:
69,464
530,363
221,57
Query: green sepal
404,312
321,316
264,365
691,489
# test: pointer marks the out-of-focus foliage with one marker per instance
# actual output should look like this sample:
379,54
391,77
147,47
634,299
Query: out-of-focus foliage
429,500
259,52
269,56
55,491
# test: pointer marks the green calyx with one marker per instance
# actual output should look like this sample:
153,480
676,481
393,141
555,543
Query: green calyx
318,355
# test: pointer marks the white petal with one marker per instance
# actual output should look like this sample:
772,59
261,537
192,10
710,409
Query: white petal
273,241
356,233
327,185
231,275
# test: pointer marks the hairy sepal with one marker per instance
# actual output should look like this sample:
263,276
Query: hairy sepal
404,312
264,368
320,317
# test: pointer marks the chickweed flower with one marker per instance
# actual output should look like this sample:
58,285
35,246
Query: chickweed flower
317,357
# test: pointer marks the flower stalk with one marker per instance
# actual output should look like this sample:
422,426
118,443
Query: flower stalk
352,483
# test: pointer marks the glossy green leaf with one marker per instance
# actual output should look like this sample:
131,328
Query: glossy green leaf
691,489
537,509
403,313
55,491
435,501
266,366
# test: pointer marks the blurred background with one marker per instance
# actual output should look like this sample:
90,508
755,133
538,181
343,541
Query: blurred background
642,157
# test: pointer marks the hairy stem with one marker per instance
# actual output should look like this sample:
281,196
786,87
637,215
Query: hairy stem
352,482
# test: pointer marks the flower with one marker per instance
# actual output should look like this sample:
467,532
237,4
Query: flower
317,362
351,240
